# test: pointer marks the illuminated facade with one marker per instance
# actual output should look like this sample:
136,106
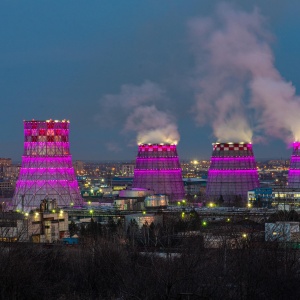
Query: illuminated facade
158,169
232,172
294,171
46,170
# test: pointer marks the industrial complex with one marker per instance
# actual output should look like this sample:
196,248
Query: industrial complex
51,191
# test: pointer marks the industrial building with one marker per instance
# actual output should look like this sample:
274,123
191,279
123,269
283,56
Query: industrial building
46,170
232,173
283,198
158,169
48,224
282,232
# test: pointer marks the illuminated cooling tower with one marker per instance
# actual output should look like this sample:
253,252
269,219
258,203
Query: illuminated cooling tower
158,169
294,172
232,172
46,170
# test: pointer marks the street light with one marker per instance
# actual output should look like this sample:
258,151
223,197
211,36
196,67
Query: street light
91,212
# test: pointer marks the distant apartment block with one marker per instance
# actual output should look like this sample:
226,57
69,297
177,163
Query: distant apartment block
78,166
127,169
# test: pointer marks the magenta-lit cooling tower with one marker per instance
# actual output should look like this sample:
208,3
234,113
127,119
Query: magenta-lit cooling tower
158,169
46,170
232,172
294,172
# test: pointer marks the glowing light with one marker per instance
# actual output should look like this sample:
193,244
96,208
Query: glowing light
244,235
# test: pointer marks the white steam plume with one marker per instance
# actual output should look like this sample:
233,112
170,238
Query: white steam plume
236,75
135,109
152,125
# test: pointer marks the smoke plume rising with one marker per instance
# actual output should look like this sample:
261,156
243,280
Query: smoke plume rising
141,109
236,81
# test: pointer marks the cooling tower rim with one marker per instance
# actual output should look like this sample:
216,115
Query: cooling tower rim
46,121
232,143
156,144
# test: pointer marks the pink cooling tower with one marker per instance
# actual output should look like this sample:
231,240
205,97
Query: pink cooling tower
47,170
158,169
232,172
294,172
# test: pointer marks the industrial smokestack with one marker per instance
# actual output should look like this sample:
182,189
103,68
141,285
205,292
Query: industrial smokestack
294,171
158,169
232,172
46,170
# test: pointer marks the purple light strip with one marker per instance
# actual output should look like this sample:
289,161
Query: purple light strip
213,158
157,171
233,171
175,158
295,158
44,171
46,143
57,158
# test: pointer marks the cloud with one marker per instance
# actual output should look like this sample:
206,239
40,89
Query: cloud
235,78
140,109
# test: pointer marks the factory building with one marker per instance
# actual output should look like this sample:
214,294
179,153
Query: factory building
269,197
48,224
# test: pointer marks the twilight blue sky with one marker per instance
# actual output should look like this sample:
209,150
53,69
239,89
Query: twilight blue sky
59,58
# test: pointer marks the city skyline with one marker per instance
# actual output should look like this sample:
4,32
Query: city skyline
62,60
